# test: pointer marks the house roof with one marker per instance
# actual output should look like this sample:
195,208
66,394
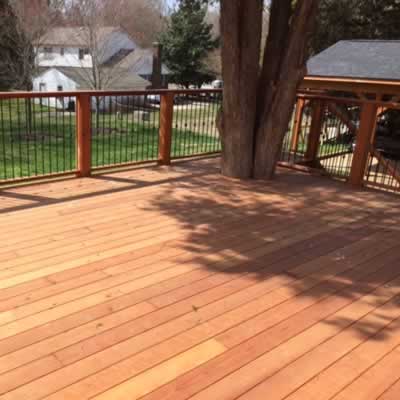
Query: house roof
117,78
140,61
73,36
358,59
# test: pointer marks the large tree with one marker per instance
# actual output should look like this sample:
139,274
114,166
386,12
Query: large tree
143,20
8,52
187,41
259,94
355,19
23,24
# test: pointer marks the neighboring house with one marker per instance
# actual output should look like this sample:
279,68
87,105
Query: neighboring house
66,64
140,62
66,79
358,59
70,47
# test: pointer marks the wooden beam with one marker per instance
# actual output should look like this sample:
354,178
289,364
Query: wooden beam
315,131
84,132
363,143
165,133
394,172
351,85
298,120
334,109
362,96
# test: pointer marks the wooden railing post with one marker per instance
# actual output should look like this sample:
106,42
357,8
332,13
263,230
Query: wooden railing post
317,120
165,134
364,137
298,121
83,129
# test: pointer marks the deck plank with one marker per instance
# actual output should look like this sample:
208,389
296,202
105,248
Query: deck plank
175,283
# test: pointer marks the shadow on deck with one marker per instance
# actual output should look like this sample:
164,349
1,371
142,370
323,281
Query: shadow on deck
177,283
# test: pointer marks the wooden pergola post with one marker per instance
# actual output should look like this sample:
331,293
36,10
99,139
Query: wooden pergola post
298,120
83,129
165,135
364,138
315,131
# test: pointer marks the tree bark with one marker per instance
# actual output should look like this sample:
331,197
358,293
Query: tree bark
241,25
258,100
273,54
277,110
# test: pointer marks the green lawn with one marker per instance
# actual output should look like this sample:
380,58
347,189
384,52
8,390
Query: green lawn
45,142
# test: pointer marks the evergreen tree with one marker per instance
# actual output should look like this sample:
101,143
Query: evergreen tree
187,41
11,54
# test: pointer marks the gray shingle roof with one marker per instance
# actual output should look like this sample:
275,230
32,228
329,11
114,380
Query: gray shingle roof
358,59
73,36
140,61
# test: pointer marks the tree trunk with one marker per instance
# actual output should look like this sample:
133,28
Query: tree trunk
241,25
258,101
277,111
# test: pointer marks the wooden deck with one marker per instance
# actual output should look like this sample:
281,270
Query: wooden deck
175,283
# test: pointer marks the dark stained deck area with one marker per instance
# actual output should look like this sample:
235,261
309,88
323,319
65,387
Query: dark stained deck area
175,283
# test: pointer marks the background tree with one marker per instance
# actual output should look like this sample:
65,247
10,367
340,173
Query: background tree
94,21
10,43
214,61
187,42
143,20
23,24
259,95
355,19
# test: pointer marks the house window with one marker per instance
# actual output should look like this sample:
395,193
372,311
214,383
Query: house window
42,87
59,88
48,51
62,51
83,53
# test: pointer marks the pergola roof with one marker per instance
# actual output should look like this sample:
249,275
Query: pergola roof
358,59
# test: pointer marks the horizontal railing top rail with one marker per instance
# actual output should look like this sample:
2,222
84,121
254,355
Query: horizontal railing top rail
105,93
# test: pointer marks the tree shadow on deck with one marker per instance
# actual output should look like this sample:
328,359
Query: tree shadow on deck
320,236
26,197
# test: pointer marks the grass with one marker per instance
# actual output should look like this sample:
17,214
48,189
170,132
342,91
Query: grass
44,143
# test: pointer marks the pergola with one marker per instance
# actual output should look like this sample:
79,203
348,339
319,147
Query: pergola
341,76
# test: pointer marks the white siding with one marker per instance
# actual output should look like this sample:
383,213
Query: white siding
69,59
52,79
110,46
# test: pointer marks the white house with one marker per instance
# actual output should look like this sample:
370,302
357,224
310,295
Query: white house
65,61
72,47
68,79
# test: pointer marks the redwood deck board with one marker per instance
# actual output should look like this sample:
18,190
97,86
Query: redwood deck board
173,283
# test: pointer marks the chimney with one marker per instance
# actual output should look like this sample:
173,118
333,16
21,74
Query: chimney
156,77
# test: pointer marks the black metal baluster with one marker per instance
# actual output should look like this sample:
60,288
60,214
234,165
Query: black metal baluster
3,139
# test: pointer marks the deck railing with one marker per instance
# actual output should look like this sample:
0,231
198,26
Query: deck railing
58,133
338,129
333,130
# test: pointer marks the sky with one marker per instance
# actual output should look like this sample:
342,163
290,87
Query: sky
170,2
